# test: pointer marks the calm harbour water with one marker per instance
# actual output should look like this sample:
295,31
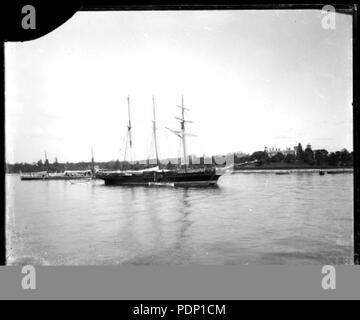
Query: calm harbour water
301,218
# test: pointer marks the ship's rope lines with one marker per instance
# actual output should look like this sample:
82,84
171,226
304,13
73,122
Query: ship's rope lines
152,151
125,143
122,151
156,145
127,147
180,153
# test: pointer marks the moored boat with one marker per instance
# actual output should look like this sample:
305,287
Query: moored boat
66,175
337,171
34,175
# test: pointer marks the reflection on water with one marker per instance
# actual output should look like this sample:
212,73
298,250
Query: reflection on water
249,219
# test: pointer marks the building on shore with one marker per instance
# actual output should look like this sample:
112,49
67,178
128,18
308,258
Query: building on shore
273,151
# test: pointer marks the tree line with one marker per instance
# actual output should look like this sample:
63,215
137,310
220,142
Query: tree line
303,157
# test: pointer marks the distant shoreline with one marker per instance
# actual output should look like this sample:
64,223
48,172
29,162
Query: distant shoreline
293,169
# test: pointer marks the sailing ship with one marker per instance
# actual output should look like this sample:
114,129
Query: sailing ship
183,176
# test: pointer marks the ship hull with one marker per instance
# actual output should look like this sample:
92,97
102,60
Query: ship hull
174,179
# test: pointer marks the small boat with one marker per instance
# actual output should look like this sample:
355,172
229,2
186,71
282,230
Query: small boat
34,175
322,173
282,172
335,172
66,175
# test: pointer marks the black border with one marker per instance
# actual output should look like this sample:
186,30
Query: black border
3,217
210,5
356,143
350,9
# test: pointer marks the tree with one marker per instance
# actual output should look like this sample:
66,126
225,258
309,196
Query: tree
242,159
290,158
309,155
333,160
117,165
338,155
345,156
278,157
260,156
300,153
321,156
55,165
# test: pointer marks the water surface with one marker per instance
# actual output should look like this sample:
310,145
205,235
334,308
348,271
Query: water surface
301,218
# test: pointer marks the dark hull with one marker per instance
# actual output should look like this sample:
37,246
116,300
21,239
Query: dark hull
172,178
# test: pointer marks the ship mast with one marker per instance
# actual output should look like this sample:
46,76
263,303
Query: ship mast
129,127
46,163
154,133
182,133
92,161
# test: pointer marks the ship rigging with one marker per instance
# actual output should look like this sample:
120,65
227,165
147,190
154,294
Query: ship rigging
157,176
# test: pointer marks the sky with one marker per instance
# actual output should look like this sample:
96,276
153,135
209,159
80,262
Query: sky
249,78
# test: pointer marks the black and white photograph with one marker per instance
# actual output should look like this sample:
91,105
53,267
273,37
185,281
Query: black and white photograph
182,137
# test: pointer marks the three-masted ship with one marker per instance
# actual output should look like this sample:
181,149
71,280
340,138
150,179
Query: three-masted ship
182,176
